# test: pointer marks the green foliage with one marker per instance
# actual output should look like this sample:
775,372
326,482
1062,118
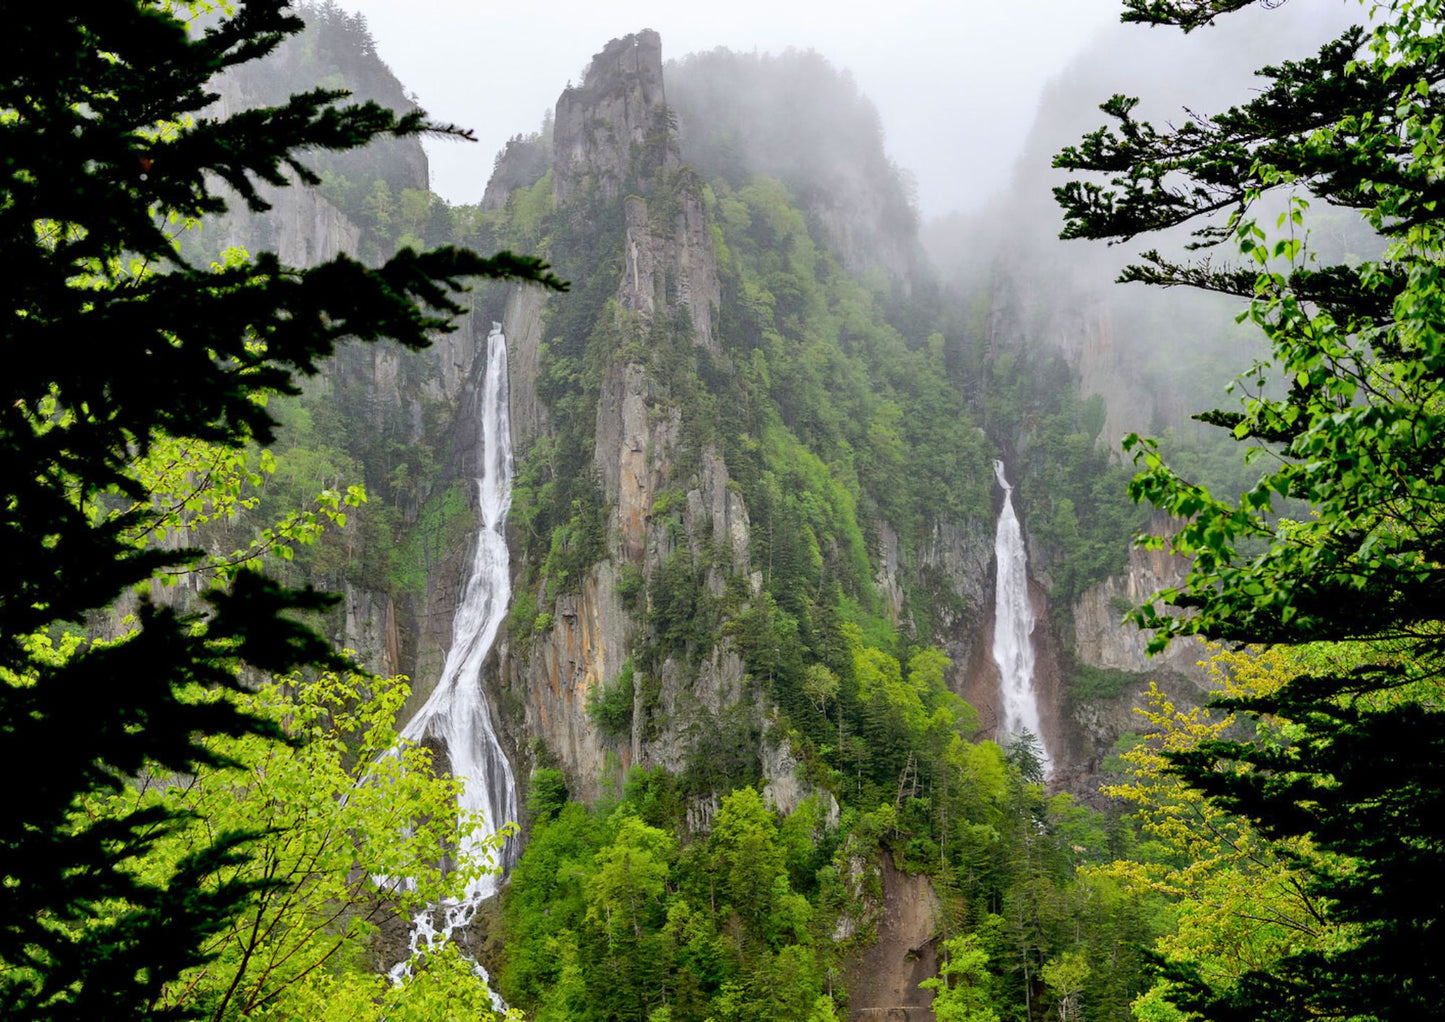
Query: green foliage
792,117
724,751
961,988
445,985
165,359
1068,483
834,421
1344,416
522,618
546,794
338,808
820,686
1090,684
1239,899
630,584
880,420
527,212
621,911
681,616
609,918
1065,977
609,705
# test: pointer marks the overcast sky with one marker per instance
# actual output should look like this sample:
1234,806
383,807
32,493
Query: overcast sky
955,82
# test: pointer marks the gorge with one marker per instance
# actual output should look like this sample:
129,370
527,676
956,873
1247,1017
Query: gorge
687,584
1013,628
456,721
740,642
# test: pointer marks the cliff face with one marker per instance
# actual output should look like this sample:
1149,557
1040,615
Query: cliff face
669,259
907,916
614,123
611,131
670,500
731,495
1099,638
408,401
390,410
522,324
330,48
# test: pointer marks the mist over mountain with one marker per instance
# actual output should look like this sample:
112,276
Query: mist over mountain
771,576
796,118
1157,357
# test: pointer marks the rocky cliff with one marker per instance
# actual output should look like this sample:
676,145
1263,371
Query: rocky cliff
669,498
397,422
795,118
751,506
613,131
615,125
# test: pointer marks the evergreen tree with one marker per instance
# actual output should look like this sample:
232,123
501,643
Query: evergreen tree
1349,412
113,343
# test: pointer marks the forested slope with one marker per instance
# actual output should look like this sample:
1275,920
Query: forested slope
752,540
755,510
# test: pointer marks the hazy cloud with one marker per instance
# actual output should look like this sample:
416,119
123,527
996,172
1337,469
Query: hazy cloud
956,83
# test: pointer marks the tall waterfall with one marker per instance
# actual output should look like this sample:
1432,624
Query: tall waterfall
456,718
1013,626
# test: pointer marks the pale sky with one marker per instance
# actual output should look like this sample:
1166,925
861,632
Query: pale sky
956,83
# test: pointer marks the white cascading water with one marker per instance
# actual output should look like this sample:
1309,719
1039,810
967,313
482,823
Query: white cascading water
1013,627
456,718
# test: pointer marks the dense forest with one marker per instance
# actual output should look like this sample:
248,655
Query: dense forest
742,689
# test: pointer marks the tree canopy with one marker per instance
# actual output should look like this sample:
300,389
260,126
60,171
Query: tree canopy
1346,418
114,345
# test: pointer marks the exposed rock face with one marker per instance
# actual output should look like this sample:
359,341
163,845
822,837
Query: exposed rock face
522,323
884,978
612,132
592,635
370,629
519,165
957,562
1049,309
635,437
615,124
785,788
866,230
1100,640
303,229
795,118
889,576
402,390
961,553
670,264
716,512
585,647
1088,336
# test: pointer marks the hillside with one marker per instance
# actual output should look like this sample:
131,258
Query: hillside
751,531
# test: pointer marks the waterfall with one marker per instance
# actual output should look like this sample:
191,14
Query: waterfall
1013,626
456,718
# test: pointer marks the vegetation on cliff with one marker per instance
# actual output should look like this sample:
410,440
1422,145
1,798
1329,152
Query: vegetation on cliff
780,677
622,911
835,425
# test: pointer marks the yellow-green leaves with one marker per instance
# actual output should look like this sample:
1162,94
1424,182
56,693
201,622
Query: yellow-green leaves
1239,897
345,807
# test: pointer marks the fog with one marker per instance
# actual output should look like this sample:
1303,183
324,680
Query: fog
956,83
973,99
